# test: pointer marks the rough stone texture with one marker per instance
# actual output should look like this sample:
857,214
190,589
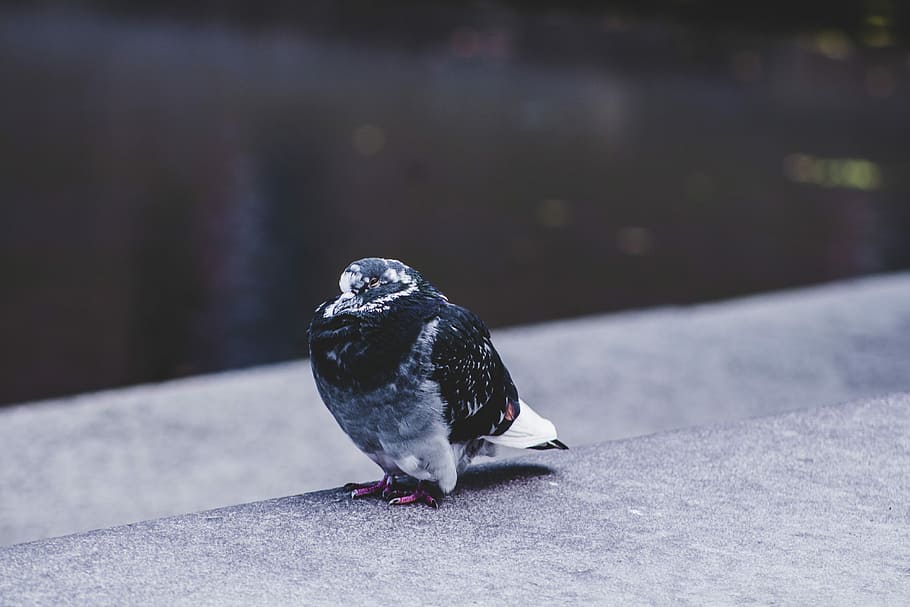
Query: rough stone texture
808,507
113,457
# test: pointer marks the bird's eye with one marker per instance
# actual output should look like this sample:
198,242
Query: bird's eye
374,282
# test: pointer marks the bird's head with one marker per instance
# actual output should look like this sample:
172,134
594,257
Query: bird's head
371,286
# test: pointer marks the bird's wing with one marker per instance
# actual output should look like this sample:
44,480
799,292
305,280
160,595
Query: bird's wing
479,395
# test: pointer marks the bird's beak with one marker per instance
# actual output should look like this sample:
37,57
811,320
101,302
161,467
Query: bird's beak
346,282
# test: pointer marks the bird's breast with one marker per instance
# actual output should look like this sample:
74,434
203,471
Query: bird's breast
401,410
378,391
352,365
361,355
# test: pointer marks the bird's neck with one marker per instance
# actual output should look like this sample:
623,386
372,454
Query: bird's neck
364,353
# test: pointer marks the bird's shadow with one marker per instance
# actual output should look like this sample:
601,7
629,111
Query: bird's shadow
483,477
488,476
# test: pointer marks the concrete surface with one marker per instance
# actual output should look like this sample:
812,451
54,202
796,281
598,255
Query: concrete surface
809,507
109,458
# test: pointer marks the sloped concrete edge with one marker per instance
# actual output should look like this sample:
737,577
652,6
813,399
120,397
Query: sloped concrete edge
806,507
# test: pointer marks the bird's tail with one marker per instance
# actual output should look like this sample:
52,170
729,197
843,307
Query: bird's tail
551,444
528,431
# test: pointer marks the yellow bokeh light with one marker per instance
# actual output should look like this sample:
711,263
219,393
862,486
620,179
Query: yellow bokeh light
633,240
368,140
832,44
853,173
554,213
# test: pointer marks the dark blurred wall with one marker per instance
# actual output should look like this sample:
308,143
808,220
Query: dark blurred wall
180,190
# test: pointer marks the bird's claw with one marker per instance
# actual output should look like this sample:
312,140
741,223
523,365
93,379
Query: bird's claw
419,496
392,494
362,491
382,487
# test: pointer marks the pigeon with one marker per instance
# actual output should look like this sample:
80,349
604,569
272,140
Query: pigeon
415,382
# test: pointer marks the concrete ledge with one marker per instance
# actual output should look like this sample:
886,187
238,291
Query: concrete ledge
809,507
98,460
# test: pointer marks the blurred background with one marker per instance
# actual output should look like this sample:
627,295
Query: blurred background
182,182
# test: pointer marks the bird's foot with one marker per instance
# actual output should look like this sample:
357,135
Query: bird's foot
420,495
384,487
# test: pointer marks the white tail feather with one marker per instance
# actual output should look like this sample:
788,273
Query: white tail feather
528,430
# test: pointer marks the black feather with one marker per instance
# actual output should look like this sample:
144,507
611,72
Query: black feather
553,444
366,351
474,383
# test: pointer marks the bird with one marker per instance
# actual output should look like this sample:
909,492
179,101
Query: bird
415,382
